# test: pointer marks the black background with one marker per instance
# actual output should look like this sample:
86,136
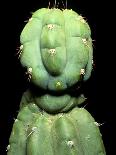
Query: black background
98,89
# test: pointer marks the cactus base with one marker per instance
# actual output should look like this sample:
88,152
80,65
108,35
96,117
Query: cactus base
36,132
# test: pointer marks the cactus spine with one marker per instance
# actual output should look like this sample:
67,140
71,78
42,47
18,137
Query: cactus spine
56,48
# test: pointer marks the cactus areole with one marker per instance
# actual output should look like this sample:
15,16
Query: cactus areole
56,49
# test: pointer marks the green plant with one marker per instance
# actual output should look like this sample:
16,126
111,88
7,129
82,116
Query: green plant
56,48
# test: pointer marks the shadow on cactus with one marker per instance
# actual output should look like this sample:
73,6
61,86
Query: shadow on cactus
56,48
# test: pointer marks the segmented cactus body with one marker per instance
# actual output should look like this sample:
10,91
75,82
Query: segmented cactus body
57,46
72,133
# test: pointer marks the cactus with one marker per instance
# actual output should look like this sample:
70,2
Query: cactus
56,48
72,133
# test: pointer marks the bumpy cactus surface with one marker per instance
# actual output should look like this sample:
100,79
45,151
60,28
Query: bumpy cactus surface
72,133
56,48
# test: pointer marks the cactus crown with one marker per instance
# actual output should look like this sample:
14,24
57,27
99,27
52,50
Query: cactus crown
56,48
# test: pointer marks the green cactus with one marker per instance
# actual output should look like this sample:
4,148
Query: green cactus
72,133
56,48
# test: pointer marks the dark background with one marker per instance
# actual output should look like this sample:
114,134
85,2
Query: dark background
98,89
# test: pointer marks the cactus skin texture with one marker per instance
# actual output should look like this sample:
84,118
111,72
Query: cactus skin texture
72,133
56,49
